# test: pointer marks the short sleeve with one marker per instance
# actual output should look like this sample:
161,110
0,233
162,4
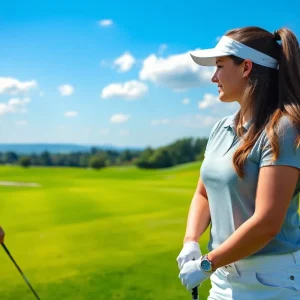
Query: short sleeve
289,155
211,135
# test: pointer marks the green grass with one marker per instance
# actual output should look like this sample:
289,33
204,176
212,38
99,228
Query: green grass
85,234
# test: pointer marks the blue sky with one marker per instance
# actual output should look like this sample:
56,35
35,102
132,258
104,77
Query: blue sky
117,72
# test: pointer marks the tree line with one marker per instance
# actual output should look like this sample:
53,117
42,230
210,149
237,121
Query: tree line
181,151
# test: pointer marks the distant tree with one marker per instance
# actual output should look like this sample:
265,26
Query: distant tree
160,159
143,160
200,145
45,159
74,159
97,161
182,151
94,150
84,160
58,159
10,157
117,161
126,156
34,160
24,161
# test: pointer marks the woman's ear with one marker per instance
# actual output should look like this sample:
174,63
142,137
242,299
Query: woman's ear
247,67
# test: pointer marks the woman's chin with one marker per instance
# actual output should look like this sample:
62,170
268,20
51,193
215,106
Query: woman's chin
223,98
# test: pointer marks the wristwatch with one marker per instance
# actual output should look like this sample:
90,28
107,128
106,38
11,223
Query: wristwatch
205,264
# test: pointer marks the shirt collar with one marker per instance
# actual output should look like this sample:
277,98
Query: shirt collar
230,121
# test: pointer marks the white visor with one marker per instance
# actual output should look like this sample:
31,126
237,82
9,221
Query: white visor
228,46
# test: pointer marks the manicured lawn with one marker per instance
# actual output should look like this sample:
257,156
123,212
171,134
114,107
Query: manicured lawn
85,234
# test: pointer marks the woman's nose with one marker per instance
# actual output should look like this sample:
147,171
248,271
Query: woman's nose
214,78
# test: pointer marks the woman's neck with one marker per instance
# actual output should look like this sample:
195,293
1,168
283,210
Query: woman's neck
246,115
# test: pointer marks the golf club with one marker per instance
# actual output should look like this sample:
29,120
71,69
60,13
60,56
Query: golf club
26,280
195,292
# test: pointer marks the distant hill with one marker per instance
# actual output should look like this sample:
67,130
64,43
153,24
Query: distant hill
57,148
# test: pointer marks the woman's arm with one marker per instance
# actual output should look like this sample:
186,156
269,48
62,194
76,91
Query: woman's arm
199,214
276,185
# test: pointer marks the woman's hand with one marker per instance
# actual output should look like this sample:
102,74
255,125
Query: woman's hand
191,275
190,251
1,235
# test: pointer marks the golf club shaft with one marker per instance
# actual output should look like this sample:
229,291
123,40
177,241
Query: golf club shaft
25,279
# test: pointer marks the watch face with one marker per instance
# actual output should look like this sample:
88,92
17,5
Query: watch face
205,265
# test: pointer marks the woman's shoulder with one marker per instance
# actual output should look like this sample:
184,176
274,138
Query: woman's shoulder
285,126
285,129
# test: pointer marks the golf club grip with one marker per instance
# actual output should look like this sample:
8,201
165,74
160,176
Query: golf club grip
195,293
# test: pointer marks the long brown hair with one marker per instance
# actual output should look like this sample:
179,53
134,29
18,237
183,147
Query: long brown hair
270,93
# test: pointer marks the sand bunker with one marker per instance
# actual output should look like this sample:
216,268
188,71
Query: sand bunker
15,183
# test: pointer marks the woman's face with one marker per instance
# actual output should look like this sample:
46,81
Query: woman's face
230,78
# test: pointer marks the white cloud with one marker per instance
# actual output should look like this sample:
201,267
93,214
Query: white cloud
177,72
124,62
160,122
66,90
129,90
106,23
218,38
124,132
21,122
13,86
14,105
186,101
119,118
196,121
70,114
162,49
104,131
208,101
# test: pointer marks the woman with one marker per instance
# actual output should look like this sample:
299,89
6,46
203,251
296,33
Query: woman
249,185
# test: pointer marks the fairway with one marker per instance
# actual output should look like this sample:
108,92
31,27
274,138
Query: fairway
86,234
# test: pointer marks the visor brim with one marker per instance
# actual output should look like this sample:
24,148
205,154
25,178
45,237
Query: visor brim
207,57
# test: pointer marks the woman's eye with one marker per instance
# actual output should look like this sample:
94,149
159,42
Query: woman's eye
218,67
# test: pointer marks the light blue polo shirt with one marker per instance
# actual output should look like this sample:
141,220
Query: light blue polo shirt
231,199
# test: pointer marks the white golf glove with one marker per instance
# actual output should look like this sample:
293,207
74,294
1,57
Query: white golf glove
191,275
190,251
